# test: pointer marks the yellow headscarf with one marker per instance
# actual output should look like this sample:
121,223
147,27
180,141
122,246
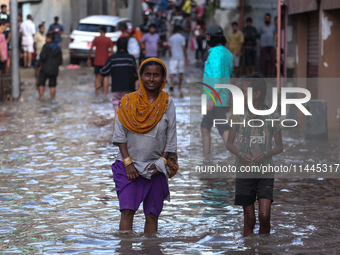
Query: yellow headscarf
135,111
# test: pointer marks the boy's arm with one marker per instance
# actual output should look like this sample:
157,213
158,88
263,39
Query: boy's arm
276,150
231,147
43,55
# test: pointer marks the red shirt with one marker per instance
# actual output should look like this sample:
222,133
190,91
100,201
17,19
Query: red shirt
102,44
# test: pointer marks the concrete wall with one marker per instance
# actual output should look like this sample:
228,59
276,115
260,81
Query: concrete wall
329,63
329,58
47,10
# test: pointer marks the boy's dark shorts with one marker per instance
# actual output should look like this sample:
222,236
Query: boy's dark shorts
43,77
218,112
249,189
97,68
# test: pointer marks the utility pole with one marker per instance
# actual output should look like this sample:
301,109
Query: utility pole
135,12
15,50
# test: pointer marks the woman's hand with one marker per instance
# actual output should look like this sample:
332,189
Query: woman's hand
154,168
259,157
131,172
246,158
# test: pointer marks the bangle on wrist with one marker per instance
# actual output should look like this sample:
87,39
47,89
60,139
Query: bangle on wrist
240,154
127,161
165,161
266,153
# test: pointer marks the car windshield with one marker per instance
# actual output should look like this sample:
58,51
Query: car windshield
94,28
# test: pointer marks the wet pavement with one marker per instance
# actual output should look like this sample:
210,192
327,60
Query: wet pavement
57,194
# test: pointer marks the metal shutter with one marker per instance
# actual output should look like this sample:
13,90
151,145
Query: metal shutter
313,45
313,53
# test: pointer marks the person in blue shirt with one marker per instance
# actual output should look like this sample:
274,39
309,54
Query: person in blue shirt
218,70
57,30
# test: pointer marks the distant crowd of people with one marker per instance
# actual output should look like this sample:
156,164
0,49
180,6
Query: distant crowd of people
247,40
36,49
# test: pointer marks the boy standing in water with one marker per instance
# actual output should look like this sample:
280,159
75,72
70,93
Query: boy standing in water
50,60
253,148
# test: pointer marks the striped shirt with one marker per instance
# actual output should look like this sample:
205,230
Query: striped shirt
123,69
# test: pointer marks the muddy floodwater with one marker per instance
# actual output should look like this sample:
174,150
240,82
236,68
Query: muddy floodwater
57,194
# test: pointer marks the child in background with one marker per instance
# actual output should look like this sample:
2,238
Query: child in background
50,60
201,45
253,148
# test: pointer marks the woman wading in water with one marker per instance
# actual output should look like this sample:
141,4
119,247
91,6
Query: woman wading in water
145,132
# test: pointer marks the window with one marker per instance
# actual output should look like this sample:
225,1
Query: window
94,28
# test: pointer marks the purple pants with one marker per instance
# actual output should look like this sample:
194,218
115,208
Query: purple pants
130,194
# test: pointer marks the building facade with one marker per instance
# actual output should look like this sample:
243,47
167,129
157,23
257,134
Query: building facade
313,51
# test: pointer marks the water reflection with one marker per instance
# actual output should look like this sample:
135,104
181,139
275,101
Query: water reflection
57,193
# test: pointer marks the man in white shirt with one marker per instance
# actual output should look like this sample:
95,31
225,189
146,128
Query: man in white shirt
27,32
178,56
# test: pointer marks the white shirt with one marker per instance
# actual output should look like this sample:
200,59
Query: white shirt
27,28
133,47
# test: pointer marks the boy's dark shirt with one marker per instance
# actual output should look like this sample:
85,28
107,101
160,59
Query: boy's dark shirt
51,58
123,69
253,140
250,36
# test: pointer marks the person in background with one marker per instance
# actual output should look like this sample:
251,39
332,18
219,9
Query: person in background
57,30
123,70
3,47
186,8
7,34
39,41
201,45
218,70
50,60
176,17
178,54
186,29
3,14
27,31
151,43
133,44
267,33
250,36
104,48
235,42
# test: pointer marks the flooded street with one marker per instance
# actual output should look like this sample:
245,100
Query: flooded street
58,196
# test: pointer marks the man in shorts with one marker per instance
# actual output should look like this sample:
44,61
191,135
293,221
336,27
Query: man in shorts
50,60
218,70
178,54
27,31
235,42
104,48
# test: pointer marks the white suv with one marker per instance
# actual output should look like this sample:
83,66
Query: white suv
88,29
